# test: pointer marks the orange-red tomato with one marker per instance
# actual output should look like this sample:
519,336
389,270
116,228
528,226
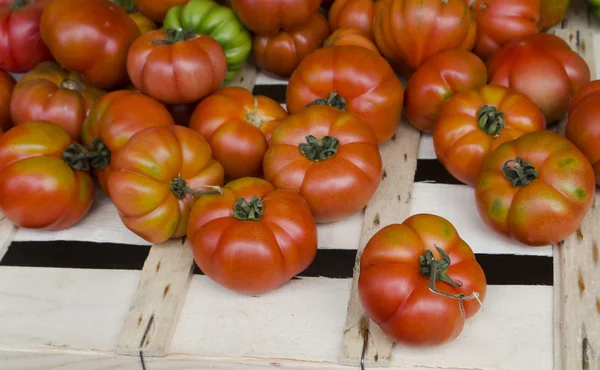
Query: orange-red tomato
44,183
328,156
176,66
114,119
51,93
473,123
408,32
157,9
7,85
91,37
281,53
267,17
232,121
543,67
355,14
436,81
552,13
156,177
535,189
253,237
144,23
397,269
350,36
353,79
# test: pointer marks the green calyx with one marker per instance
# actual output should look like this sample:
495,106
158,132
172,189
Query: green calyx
319,149
172,36
490,120
80,158
99,154
333,100
519,172
252,210
128,5
179,188
18,4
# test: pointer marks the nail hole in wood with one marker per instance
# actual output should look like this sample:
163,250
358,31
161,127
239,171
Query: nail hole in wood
383,175
577,38
595,252
598,305
158,266
166,291
405,157
580,282
399,198
376,357
393,137
579,234
139,321
376,220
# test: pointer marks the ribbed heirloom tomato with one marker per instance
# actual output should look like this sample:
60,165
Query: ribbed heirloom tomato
419,281
353,79
473,123
350,36
51,93
156,177
114,119
253,237
91,37
355,14
267,17
236,125
535,189
44,183
436,81
328,156
7,85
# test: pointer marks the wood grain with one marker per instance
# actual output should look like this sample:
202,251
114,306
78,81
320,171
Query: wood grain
7,234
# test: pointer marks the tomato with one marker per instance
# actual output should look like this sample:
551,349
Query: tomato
583,126
156,177
356,14
501,21
175,66
232,121
436,81
328,156
51,93
91,37
353,79
350,36
114,119
409,32
144,23
552,12
535,189
543,67
473,123
268,17
157,9
419,281
44,183
205,17
281,54
252,238
7,84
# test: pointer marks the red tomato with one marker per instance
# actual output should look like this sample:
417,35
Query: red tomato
51,93
353,79
267,17
113,120
44,183
437,80
232,121
253,237
410,32
355,14
473,123
280,54
156,177
400,266
501,21
157,9
21,45
583,126
175,66
91,37
350,36
543,67
535,189
330,157
7,84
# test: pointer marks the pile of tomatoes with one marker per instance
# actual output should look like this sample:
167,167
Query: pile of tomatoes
108,97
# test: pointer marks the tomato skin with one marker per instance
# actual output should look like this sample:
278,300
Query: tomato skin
588,90
51,93
437,80
501,21
335,187
281,54
408,33
350,36
552,13
268,17
362,78
460,142
181,72
396,295
38,189
157,9
143,23
143,182
7,85
249,256
543,67
232,121
355,14
546,210
115,118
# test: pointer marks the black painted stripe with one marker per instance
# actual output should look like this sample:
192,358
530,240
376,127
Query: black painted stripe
338,264
432,170
275,92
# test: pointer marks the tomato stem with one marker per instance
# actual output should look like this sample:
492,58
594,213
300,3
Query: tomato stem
173,35
248,211
99,154
490,120
128,5
333,100
77,157
319,149
254,117
179,188
18,4
71,84
519,172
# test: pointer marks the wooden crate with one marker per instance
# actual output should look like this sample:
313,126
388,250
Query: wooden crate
95,296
